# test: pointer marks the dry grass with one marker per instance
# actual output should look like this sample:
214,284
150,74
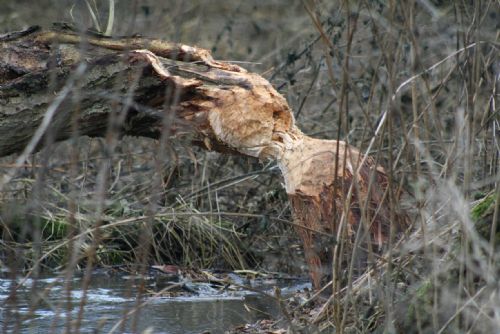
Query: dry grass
425,73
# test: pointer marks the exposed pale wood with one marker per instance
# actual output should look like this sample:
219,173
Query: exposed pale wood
219,105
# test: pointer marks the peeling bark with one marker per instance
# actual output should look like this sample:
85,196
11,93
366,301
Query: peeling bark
222,106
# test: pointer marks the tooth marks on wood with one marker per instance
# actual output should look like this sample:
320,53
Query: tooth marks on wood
335,192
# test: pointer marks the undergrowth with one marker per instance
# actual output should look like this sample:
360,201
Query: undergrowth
425,73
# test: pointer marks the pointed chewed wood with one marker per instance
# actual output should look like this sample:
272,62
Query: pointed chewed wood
336,194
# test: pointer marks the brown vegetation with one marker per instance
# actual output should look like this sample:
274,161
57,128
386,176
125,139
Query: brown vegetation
412,86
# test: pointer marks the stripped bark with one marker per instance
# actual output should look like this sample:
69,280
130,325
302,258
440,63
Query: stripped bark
335,191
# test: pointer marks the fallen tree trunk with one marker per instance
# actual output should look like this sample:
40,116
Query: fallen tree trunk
50,79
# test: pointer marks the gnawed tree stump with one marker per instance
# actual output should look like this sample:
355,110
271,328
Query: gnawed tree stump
336,193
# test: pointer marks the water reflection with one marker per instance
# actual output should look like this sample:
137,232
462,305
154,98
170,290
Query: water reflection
44,306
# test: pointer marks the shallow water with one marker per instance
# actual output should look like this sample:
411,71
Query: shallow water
110,298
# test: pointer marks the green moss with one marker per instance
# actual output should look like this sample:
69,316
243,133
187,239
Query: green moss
483,208
482,214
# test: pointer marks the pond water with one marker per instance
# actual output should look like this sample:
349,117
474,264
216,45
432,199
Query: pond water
112,306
